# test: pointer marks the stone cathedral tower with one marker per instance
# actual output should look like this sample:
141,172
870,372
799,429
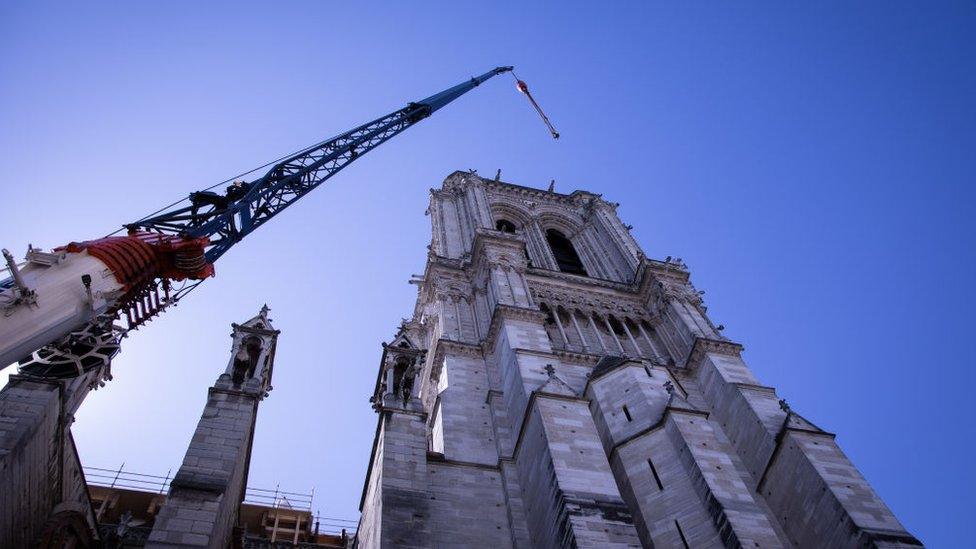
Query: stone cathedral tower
557,388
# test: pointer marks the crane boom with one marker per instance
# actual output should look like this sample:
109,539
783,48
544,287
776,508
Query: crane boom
58,311
247,206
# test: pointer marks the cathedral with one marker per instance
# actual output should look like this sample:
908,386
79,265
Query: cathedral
555,387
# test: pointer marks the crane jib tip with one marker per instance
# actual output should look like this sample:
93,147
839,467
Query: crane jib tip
524,88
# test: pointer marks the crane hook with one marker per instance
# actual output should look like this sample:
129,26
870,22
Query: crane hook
524,88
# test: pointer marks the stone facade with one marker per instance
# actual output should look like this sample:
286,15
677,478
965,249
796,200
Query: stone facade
557,388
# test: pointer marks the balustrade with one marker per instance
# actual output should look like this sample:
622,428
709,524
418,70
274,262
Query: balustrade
589,331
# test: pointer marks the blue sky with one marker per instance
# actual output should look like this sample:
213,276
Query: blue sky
812,163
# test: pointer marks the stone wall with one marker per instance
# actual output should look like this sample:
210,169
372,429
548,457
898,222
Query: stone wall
202,506
40,475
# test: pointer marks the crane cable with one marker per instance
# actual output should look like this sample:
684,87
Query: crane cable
521,85
226,181
524,88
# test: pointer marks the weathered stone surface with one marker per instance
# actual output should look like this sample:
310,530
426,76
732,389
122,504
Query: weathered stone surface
40,473
516,434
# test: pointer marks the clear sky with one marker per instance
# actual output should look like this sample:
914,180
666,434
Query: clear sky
812,162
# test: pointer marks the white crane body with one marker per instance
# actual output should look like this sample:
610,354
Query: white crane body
61,303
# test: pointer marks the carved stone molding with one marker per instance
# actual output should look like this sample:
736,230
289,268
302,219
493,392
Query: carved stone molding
588,300
705,345
575,357
449,346
509,312
498,248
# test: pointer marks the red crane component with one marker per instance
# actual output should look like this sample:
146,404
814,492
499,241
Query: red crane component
179,257
132,261
145,264
141,257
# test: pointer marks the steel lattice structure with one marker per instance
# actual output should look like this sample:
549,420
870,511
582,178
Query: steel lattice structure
226,219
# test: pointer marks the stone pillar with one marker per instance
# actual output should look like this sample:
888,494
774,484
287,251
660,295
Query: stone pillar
570,495
596,332
204,500
585,346
398,485
40,480
790,458
395,503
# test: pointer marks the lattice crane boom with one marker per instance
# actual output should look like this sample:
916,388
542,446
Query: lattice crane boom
58,311
225,220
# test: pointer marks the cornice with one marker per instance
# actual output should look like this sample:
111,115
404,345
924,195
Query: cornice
459,179
536,273
666,270
587,299
254,330
511,189
704,345
510,312
575,357
527,413
443,346
439,459
668,411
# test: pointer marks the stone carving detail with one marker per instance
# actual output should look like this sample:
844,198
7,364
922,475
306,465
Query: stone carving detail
246,359
252,356
588,300
679,292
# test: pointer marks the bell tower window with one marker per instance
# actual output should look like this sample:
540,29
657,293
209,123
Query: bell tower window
565,253
505,226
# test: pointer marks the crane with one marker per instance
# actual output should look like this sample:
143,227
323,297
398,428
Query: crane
63,312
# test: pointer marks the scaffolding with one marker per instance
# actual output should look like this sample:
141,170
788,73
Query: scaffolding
285,515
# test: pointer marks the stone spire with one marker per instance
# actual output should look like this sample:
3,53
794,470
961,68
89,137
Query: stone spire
205,495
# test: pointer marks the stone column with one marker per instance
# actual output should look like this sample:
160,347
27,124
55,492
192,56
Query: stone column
631,337
647,338
562,330
613,334
204,500
596,332
572,314
548,260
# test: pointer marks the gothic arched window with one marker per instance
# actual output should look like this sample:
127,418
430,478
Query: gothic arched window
565,253
505,226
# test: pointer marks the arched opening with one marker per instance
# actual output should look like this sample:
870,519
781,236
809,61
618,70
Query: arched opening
399,369
618,328
505,226
565,253
246,359
643,347
552,327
